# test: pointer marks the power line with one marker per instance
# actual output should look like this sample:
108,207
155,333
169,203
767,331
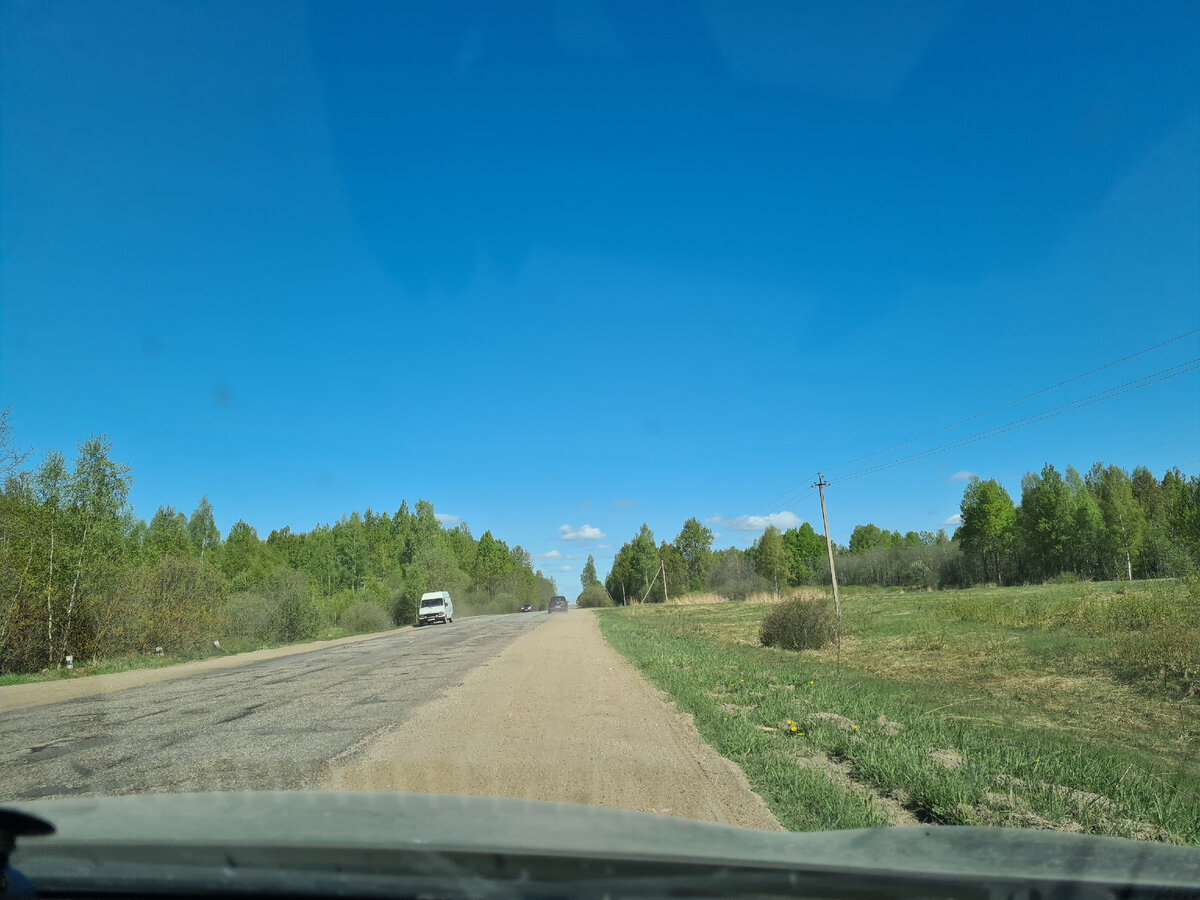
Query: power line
795,494
1174,440
1117,391
1037,393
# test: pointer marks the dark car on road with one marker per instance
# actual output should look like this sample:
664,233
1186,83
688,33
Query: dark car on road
558,604
526,608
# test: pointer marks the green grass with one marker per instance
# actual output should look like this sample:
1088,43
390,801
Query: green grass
935,714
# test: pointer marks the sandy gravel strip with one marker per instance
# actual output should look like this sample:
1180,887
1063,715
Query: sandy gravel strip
40,693
558,715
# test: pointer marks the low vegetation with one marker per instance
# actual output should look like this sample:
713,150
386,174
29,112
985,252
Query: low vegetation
82,576
593,596
800,623
1105,524
1044,707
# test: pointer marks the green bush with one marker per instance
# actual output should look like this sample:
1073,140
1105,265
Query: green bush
404,608
594,596
919,575
332,608
734,579
1063,578
799,625
296,614
365,617
251,617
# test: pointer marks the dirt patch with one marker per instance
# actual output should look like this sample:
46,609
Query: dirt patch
838,772
39,693
558,715
1014,810
834,719
948,758
1083,798
888,727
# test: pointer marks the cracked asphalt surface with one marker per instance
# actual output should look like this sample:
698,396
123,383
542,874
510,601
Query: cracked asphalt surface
276,724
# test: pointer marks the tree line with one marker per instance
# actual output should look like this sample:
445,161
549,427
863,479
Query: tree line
81,575
1104,525
1107,524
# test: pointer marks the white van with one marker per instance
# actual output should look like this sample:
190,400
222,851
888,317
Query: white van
436,606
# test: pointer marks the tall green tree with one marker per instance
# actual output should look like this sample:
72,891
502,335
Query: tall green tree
988,525
202,529
672,577
805,549
492,560
1046,522
771,557
51,484
644,557
588,577
865,538
694,543
243,560
1087,526
1124,522
167,534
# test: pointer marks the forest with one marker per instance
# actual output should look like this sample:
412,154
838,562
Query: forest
1107,524
82,576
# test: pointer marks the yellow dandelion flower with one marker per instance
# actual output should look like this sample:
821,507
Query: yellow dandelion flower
793,728
856,728
790,722
812,682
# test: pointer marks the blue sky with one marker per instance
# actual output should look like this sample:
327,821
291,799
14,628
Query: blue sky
565,267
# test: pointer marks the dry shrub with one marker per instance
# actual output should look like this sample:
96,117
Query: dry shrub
804,593
763,597
799,624
696,599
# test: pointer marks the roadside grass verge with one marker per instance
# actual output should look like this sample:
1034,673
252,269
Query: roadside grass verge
229,647
928,719
130,661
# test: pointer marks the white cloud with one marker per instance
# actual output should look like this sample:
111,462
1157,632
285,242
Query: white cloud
582,533
555,556
446,518
781,520
964,475
624,503
955,519
604,546
566,568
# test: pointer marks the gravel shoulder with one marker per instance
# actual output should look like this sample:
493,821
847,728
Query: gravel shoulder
40,693
558,715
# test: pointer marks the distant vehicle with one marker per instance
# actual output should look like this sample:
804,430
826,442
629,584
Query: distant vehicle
558,604
436,606
526,608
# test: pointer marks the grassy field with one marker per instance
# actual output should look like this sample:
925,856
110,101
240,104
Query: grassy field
1015,706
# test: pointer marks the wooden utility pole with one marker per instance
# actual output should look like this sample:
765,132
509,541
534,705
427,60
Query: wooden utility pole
837,604
662,568
820,486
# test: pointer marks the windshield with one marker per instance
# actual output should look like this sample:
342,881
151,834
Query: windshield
840,361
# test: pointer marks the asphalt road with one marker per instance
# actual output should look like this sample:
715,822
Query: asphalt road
273,725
